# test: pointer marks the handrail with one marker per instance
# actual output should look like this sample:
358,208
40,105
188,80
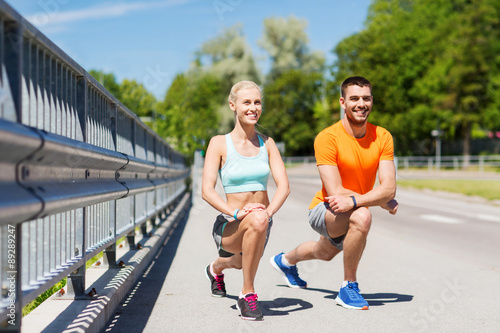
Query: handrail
78,170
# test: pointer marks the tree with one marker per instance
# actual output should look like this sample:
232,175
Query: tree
430,63
293,94
286,42
108,81
289,105
140,101
190,112
227,57
132,94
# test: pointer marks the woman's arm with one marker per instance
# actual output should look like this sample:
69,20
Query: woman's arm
215,151
279,175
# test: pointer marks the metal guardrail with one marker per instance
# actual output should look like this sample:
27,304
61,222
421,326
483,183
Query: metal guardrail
78,170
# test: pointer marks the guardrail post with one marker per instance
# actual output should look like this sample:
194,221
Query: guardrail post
76,283
109,256
144,229
481,163
131,240
429,164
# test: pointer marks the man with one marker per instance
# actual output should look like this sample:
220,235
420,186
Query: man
348,154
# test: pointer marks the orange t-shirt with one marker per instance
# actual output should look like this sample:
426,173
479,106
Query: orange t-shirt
356,159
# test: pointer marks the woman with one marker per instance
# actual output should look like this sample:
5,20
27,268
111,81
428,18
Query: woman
243,158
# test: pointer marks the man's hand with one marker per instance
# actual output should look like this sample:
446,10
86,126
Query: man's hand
340,203
391,206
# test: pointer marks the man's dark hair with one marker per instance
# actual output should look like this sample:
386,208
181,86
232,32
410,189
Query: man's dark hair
354,81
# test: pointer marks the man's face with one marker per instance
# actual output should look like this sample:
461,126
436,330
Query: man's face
357,103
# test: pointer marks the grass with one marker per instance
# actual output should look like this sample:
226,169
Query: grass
488,189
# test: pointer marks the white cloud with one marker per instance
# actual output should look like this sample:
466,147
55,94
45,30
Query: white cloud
54,14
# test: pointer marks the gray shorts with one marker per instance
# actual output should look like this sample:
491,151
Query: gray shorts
317,222
218,229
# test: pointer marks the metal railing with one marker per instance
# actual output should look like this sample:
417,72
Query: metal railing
479,162
78,170
459,162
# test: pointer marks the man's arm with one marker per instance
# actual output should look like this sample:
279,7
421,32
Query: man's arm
340,199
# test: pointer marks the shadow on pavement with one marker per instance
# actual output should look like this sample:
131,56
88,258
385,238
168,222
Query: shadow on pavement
280,306
146,290
376,299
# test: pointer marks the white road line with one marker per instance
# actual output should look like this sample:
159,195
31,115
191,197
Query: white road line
480,216
441,219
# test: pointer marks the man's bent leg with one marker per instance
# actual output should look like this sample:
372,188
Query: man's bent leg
355,241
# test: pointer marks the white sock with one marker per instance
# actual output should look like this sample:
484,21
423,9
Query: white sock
345,283
285,262
243,296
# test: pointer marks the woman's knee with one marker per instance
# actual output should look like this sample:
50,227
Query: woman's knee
361,219
258,221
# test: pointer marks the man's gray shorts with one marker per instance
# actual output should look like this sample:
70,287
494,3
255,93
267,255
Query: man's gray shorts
318,223
218,229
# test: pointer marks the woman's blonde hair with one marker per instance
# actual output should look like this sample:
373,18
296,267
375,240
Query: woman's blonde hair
241,85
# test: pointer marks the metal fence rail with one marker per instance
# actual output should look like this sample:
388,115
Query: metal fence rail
479,162
78,170
459,162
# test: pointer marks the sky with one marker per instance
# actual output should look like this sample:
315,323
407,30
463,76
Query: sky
152,41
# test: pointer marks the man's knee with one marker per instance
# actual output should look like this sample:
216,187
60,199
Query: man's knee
361,219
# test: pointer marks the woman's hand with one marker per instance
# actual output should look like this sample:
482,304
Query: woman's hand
248,208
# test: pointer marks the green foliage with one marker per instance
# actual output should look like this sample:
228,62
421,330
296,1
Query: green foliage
289,110
108,81
432,63
137,98
132,94
294,104
39,300
286,42
483,188
228,58
190,111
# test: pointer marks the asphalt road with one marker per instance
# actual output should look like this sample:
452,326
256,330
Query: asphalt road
434,267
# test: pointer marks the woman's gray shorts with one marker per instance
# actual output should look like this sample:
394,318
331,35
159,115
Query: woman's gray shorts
317,222
218,229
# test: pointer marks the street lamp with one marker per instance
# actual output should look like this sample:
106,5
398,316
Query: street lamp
436,133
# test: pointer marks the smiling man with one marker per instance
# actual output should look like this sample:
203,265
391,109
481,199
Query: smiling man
348,155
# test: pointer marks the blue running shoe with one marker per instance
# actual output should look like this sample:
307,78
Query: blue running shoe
289,273
350,298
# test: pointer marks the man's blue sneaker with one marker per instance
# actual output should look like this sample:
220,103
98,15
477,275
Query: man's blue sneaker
350,298
289,273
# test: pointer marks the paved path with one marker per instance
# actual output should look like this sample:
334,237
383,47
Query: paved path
433,267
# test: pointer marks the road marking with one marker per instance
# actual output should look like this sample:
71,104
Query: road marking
488,217
480,216
440,219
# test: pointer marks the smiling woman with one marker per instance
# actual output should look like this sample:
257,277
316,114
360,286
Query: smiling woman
243,159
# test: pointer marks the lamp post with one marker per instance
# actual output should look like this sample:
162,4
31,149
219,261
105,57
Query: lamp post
436,133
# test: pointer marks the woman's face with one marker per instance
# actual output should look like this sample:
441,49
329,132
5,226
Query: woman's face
248,106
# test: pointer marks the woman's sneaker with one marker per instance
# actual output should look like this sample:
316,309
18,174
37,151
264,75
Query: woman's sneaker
217,283
249,308
350,298
289,273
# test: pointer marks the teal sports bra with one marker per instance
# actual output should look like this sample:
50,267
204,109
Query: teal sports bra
244,174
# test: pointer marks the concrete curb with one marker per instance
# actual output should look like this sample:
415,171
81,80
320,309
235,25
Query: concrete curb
112,285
